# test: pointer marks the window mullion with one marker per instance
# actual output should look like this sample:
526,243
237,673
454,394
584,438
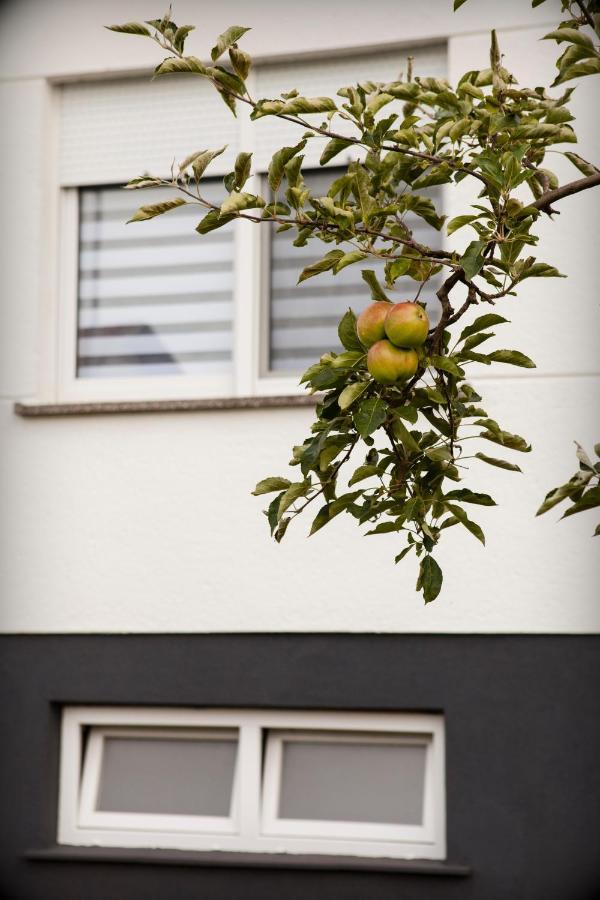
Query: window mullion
249,779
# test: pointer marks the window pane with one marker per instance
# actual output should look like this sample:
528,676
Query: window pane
155,298
167,775
304,318
353,781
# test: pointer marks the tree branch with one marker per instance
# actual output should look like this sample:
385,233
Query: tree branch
585,13
544,203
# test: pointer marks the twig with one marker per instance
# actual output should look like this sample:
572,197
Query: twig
544,203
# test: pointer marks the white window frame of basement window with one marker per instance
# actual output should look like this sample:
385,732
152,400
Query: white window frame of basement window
253,787
90,817
273,824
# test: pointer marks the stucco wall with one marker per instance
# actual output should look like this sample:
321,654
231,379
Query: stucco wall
145,523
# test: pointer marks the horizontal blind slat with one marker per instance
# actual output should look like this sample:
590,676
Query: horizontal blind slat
146,308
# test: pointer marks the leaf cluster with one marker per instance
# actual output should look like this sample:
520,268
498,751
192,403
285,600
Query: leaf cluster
391,456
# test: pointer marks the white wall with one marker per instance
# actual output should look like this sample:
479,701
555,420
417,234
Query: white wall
145,523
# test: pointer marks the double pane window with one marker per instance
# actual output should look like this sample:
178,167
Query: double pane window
253,781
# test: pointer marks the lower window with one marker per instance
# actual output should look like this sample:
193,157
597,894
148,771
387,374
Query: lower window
363,784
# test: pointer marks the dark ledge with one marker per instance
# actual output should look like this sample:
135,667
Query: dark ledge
224,859
37,410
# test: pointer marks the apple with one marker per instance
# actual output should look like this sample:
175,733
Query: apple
406,324
369,325
388,364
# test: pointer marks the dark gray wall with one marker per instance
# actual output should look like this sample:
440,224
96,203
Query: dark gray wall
523,750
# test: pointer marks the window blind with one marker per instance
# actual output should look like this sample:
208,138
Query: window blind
155,298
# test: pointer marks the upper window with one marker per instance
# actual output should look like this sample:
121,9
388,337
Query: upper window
254,781
152,309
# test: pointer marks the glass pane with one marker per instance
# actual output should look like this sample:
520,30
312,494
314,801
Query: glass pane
304,318
353,781
155,298
167,775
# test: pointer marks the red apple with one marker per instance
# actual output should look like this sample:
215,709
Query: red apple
388,364
406,324
369,325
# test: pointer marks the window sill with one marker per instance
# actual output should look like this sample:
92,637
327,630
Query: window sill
221,859
41,410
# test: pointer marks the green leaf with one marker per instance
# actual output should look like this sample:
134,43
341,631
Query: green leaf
385,528
403,553
468,523
309,105
410,413
476,339
506,439
404,435
174,65
361,473
332,148
540,270
293,492
572,35
590,500
397,269
200,161
281,529
370,277
242,168
447,365
130,28
321,519
584,167
369,415
238,201
467,496
347,259
241,62
458,4
512,358
473,259
430,574
481,323
458,222
579,70
142,182
226,40
271,484
321,265
347,332
213,220
180,36
279,162
351,393
557,495
156,209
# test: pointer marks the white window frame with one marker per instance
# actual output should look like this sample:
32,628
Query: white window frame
90,817
273,824
252,826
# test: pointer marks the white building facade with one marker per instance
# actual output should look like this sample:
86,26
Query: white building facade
148,379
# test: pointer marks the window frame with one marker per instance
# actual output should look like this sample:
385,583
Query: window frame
90,817
273,770
250,794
